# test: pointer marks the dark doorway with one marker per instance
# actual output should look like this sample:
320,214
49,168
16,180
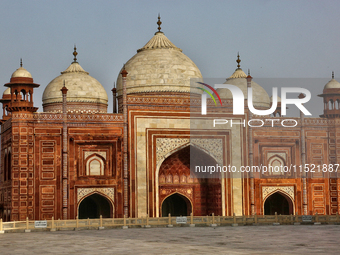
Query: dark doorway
176,205
93,206
278,203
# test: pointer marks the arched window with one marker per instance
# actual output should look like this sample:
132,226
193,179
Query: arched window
29,96
16,95
6,110
95,165
330,105
275,164
23,95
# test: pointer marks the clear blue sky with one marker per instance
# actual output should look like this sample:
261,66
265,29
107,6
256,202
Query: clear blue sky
276,39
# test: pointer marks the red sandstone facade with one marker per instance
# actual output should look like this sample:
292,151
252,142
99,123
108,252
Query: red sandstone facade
31,169
136,162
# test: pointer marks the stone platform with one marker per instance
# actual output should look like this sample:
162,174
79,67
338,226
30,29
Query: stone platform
284,239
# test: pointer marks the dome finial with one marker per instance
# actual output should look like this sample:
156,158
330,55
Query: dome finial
20,62
75,53
159,22
332,74
238,60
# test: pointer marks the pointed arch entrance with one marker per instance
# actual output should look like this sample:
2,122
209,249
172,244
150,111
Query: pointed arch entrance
93,206
279,203
177,205
174,177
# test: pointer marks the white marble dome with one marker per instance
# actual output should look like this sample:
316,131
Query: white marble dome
239,79
21,72
85,94
159,66
332,84
7,92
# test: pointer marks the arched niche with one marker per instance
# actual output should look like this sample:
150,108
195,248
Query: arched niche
95,205
278,202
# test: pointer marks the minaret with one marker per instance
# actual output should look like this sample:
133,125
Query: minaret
124,73
250,149
303,161
114,94
21,106
21,85
65,154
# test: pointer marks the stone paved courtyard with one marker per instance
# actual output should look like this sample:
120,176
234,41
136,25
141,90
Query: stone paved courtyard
287,239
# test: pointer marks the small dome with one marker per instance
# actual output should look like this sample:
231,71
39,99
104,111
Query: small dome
21,72
84,94
239,79
332,84
7,92
159,66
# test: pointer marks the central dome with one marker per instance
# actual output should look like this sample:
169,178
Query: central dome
85,94
159,66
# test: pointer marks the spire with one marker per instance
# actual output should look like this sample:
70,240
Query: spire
124,72
238,60
238,71
20,62
159,23
249,78
64,89
332,74
75,53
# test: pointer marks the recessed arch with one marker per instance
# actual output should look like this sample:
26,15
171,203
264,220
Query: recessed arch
276,161
95,165
176,204
95,204
180,148
173,175
278,202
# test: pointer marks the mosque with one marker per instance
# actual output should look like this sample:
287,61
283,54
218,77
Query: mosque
76,159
